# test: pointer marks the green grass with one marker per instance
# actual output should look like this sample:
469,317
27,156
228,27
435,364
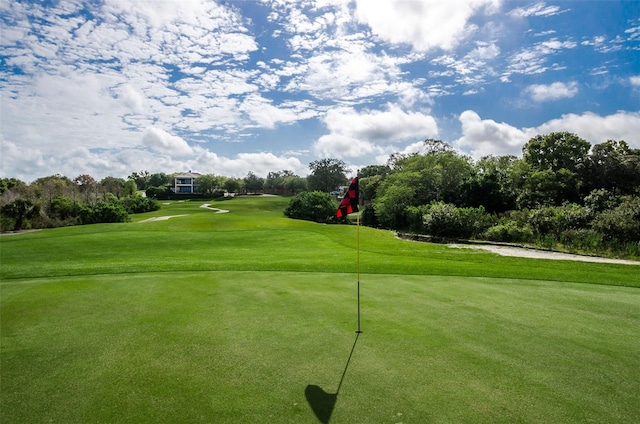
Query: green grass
229,317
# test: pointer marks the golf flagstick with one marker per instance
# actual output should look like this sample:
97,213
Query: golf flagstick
349,205
358,331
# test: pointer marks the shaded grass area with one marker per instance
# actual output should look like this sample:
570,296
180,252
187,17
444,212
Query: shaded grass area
242,347
231,317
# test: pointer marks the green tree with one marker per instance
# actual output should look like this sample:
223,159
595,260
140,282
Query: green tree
141,178
370,178
294,184
253,183
52,186
63,208
391,207
548,188
129,188
556,151
275,181
327,174
159,179
491,185
20,211
417,180
615,167
232,185
112,185
208,184
7,184
559,163
87,185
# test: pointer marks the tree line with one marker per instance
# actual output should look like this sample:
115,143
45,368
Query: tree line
57,200
562,191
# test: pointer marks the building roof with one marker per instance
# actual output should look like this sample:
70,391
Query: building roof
188,175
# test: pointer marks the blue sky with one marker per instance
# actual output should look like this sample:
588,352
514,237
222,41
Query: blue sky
226,87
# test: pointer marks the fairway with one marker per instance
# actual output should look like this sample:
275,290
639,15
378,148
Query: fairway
250,317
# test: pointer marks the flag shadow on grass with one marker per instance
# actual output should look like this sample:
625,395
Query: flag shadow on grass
321,402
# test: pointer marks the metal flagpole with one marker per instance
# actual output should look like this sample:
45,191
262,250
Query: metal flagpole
358,266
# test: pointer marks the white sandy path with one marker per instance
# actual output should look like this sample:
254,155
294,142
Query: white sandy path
539,254
164,218
161,218
207,206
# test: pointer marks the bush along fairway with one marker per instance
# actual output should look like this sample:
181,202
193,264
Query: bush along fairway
249,316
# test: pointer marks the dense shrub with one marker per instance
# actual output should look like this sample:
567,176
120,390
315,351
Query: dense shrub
139,204
475,221
582,240
600,200
314,206
510,232
103,212
554,220
17,214
621,223
445,220
442,220
63,208
161,193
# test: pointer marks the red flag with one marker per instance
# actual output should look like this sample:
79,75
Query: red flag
349,203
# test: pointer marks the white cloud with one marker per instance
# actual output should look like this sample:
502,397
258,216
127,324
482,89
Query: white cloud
533,60
259,163
163,142
484,51
425,24
597,129
20,162
483,137
132,98
538,9
354,134
109,87
554,91
266,115
634,31
472,69
381,126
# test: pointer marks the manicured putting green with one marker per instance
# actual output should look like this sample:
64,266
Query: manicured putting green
214,318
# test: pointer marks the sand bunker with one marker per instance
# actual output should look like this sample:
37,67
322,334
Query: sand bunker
540,254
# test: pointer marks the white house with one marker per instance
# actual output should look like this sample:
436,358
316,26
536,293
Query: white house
185,183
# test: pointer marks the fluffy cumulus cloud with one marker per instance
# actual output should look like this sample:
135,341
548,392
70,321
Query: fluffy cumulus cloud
238,166
598,129
425,25
483,137
353,133
163,142
554,91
